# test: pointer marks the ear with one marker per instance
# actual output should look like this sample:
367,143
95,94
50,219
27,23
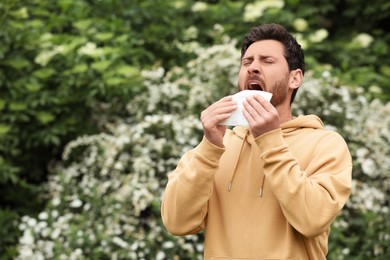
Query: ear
295,79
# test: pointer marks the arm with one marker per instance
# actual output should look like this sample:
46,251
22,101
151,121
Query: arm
310,199
185,201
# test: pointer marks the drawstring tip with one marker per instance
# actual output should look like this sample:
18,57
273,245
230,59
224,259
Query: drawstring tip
230,186
261,192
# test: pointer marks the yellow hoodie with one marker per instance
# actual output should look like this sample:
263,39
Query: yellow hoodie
273,197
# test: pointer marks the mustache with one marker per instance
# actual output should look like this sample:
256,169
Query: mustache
256,78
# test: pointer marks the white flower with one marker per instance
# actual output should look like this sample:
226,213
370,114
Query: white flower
27,238
190,33
44,57
54,214
301,40
300,24
218,28
76,254
76,203
364,40
368,167
56,201
43,215
122,140
32,222
55,234
22,226
345,251
326,74
41,225
25,253
45,232
120,242
255,10
199,7
87,206
90,49
319,35
153,74
160,255
177,4
168,245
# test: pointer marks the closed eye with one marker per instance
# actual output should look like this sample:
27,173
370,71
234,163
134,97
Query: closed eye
247,61
268,60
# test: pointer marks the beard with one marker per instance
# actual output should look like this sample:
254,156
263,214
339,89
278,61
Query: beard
279,92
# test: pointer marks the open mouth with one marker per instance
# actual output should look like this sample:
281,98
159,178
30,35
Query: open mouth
254,85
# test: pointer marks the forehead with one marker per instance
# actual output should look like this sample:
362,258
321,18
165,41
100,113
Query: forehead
265,48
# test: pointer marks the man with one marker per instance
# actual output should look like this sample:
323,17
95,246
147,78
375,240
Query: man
270,190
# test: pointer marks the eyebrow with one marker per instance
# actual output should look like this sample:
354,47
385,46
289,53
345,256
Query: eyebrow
261,57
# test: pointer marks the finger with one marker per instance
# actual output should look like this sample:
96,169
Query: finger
218,111
226,101
264,102
251,113
255,105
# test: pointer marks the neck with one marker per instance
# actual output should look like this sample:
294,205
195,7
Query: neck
285,118
285,113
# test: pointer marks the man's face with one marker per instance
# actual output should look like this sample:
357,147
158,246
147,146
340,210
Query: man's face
263,67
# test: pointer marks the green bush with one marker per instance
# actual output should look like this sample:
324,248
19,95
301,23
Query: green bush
69,67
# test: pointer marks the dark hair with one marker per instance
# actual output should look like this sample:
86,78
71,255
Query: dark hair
292,50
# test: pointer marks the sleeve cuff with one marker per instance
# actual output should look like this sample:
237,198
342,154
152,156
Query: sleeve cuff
270,140
209,151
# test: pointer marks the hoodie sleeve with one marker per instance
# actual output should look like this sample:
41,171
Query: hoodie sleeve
185,200
310,199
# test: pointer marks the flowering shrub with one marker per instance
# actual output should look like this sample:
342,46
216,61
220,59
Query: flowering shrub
104,197
363,228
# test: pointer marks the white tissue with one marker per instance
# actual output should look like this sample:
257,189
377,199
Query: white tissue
237,117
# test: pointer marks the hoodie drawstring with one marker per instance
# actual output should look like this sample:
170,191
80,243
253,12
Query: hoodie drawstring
262,186
253,143
236,162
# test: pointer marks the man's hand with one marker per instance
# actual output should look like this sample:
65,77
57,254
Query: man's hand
261,115
212,116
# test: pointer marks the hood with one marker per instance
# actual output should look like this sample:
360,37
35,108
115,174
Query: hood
309,121
297,123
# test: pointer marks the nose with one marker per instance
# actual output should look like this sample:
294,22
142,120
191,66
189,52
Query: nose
254,68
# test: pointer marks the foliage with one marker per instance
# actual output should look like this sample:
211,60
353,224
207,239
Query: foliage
105,195
105,201
69,67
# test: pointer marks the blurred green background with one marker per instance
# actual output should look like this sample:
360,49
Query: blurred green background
70,69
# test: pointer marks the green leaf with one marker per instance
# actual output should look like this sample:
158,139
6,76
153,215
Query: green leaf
385,70
80,68
2,104
4,129
83,25
115,81
104,36
18,63
44,73
45,117
17,106
33,87
127,71
101,65
21,13
35,23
